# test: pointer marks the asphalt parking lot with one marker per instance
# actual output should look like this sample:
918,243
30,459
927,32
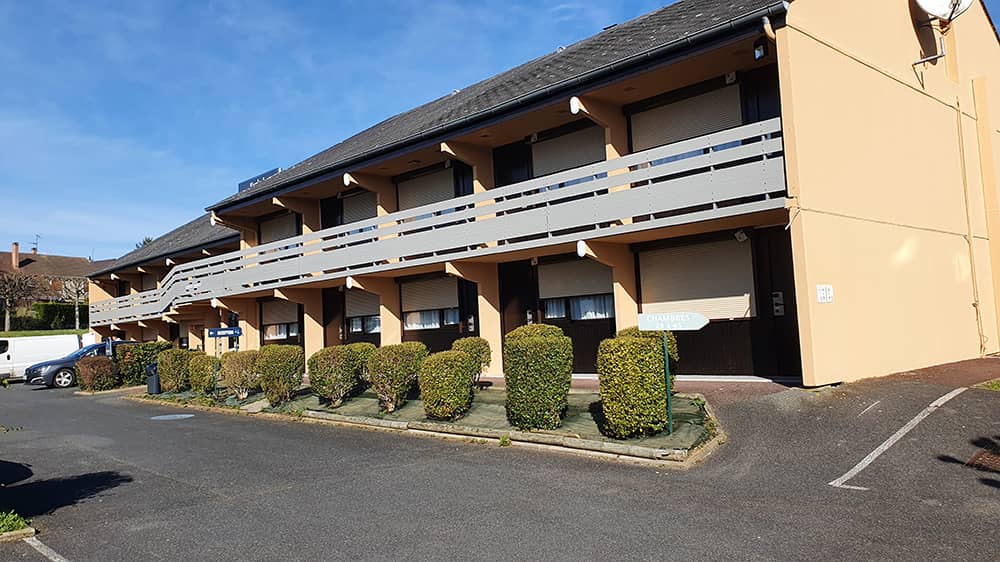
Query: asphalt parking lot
104,481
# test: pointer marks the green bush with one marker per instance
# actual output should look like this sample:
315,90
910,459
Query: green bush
201,373
446,384
97,373
11,521
392,372
57,315
133,359
281,368
538,364
334,372
172,366
633,392
239,372
477,348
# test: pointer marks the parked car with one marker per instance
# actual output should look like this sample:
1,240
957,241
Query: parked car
61,373
16,354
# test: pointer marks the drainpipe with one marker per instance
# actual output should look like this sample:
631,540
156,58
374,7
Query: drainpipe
969,234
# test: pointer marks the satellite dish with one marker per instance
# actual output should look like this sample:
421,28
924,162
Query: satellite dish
946,10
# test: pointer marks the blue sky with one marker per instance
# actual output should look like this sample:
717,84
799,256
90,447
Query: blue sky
179,101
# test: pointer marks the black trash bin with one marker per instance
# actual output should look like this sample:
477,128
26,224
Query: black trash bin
152,380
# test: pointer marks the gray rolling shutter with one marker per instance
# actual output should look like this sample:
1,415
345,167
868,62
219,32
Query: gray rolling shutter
573,278
430,294
278,228
568,151
713,278
279,312
695,116
360,206
427,189
360,303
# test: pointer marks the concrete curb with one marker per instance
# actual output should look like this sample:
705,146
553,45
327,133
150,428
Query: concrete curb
113,391
20,534
676,458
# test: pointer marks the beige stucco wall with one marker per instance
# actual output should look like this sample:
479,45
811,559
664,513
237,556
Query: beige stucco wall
882,212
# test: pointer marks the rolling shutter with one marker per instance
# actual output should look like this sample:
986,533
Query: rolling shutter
426,189
568,151
430,294
148,282
573,278
279,228
695,116
279,312
360,303
713,278
359,207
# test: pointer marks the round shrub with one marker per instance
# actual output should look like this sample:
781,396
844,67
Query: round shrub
538,369
392,372
477,348
133,359
634,332
201,373
633,392
97,373
281,368
446,384
239,372
334,372
533,330
172,365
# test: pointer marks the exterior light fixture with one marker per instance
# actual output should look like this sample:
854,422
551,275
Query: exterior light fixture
760,49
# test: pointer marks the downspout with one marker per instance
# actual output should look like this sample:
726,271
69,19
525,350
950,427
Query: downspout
969,238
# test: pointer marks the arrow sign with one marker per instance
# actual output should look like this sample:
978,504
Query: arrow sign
672,322
225,332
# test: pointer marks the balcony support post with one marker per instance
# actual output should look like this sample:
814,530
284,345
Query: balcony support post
615,124
308,209
382,187
248,312
390,307
246,227
313,331
489,310
621,260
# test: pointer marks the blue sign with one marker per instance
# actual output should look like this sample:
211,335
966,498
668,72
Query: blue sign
224,332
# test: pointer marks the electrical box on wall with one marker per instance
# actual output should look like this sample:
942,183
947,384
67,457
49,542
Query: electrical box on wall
824,294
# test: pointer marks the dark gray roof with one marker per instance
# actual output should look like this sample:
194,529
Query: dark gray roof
199,233
602,53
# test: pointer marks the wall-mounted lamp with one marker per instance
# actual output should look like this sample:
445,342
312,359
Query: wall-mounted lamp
760,49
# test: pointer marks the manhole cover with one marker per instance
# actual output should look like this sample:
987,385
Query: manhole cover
985,460
169,417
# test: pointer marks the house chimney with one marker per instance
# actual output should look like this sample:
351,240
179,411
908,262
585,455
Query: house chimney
15,256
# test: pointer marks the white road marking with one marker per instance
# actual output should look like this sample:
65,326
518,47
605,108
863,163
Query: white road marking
839,482
876,403
44,550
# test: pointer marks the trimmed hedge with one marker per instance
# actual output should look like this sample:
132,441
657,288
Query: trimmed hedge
58,315
201,373
446,384
393,370
172,366
477,348
335,372
633,392
97,373
134,358
538,364
281,368
239,371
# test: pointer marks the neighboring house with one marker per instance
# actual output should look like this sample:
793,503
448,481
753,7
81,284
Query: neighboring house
788,169
51,270
141,271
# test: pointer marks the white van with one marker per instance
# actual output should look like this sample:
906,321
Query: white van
17,354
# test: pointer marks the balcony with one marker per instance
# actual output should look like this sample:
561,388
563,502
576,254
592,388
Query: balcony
728,173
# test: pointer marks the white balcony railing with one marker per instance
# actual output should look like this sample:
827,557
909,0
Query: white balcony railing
727,173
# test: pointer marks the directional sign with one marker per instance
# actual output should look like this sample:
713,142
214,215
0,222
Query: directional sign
225,332
672,322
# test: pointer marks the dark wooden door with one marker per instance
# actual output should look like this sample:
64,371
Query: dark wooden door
518,294
775,331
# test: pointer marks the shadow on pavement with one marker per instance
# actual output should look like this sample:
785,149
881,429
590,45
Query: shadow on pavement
41,497
986,460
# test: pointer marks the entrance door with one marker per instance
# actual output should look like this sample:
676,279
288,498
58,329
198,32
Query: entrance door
775,330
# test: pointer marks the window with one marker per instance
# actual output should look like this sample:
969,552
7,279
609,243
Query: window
281,331
451,317
554,308
595,307
4,346
422,320
373,325
356,325
364,324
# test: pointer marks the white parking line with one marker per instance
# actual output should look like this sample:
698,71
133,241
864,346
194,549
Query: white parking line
876,403
44,550
839,483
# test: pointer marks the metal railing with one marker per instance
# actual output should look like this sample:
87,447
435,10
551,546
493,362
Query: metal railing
727,173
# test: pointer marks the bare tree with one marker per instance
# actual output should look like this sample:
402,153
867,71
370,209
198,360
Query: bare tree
16,288
74,289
